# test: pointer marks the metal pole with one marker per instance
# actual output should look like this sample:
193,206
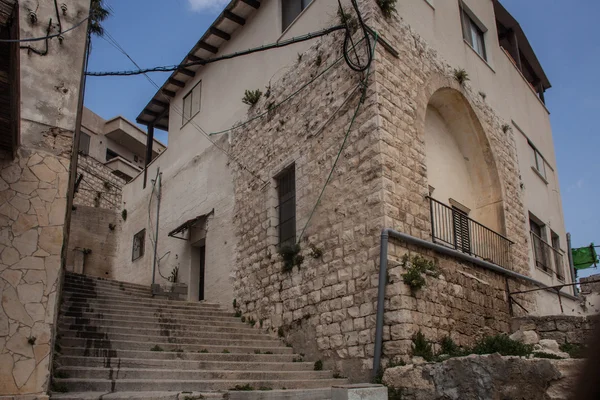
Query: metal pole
158,183
149,143
383,252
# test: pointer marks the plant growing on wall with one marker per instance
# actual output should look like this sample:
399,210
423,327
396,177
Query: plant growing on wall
112,227
86,251
421,347
415,268
251,97
174,275
505,128
124,214
290,254
315,251
347,19
388,7
461,76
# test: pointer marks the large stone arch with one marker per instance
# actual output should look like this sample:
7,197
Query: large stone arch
460,161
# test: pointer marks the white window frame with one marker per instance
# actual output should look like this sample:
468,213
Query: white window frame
303,6
539,163
193,101
473,31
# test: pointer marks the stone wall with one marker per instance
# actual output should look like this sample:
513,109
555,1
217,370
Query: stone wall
562,328
99,187
326,307
33,201
487,377
93,241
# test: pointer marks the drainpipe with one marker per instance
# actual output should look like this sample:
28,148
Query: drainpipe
386,233
158,183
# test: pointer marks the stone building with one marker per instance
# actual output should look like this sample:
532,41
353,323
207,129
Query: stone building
446,140
110,154
39,94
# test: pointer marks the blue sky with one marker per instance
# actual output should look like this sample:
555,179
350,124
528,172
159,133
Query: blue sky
161,32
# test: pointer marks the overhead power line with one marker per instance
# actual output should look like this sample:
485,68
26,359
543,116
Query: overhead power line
171,68
38,39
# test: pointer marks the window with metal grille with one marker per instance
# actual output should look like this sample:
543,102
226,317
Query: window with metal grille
84,143
286,190
290,9
473,32
138,245
462,234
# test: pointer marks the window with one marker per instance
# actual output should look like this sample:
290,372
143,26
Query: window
138,245
84,143
540,248
473,33
286,190
290,9
191,103
558,257
538,161
110,154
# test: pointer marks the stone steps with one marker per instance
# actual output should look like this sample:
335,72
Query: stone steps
204,331
210,340
302,394
146,385
174,355
118,372
142,310
208,364
108,331
153,323
100,280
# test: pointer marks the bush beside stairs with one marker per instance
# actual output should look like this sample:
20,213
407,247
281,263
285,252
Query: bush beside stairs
117,342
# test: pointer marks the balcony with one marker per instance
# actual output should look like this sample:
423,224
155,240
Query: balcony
548,258
123,168
453,228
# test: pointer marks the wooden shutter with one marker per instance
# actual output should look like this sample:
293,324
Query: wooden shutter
462,236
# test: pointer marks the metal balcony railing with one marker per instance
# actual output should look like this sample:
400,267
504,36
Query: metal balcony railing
453,228
547,258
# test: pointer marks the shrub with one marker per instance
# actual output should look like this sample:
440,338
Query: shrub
574,350
461,76
388,7
251,97
421,347
315,252
31,340
419,265
347,19
225,351
394,393
203,351
242,388
156,348
280,332
124,214
290,254
318,365
541,354
503,345
450,348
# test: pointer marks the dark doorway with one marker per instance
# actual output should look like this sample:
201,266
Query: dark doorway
201,277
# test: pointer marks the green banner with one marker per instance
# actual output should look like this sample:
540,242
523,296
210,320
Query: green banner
585,257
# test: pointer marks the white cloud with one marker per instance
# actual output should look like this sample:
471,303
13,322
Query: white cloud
207,5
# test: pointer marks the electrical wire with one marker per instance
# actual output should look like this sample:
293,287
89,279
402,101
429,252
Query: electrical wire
171,68
343,145
39,39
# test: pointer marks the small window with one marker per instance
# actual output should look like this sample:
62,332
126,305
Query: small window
138,245
473,33
290,9
84,143
286,190
540,247
191,103
538,161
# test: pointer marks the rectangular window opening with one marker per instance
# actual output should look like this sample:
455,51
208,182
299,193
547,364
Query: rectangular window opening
290,9
540,247
139,240
473,32
538,161
192,102
286,193
84,143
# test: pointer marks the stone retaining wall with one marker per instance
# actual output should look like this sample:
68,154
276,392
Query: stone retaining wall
562,328
99,187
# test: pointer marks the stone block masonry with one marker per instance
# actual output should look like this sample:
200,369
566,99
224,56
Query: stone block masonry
562,328
326,306
99,187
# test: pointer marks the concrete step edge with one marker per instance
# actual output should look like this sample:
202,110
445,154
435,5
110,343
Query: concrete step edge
154,321
172,333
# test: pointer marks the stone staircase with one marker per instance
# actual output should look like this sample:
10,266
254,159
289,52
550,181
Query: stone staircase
116,342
